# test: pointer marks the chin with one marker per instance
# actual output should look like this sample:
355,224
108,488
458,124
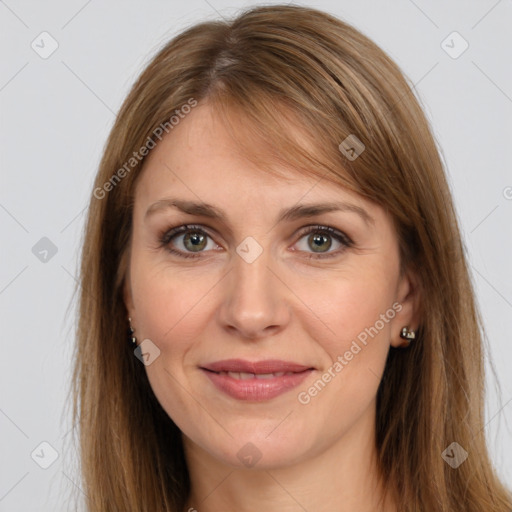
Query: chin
258,448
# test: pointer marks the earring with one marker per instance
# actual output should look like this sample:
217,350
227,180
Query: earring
131,330
407,335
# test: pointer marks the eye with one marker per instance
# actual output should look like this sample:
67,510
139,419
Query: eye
194,239
320,240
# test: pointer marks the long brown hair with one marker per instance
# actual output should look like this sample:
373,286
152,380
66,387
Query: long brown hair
276,65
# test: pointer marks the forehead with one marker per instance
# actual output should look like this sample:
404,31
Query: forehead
200,161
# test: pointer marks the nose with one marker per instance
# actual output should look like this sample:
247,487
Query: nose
255,301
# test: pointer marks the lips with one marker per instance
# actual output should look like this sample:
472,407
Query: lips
247,376
255,368
255,381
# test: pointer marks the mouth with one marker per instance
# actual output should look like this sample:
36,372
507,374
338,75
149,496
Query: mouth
255,381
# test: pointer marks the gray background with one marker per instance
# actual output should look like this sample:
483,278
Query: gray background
55,117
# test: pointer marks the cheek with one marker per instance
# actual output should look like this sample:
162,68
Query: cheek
171,311
348,307
169,303
351,323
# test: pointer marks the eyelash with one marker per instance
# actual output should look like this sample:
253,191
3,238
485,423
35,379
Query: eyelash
167,236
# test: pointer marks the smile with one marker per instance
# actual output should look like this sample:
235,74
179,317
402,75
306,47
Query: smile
255,381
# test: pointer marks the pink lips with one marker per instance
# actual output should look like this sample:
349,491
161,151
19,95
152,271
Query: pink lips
255,381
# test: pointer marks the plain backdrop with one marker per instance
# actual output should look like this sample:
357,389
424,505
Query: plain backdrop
56,113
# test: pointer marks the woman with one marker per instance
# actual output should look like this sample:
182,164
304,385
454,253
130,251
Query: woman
272,226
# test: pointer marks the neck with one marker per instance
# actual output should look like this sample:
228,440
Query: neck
342,477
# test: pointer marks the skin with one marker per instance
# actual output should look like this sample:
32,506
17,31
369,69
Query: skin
317,456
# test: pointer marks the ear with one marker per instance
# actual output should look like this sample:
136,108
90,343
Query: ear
127,296
408,297
127,288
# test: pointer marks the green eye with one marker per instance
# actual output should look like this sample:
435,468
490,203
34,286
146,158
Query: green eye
194,241
319,242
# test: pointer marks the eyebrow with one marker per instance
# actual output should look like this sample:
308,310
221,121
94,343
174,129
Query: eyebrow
287,214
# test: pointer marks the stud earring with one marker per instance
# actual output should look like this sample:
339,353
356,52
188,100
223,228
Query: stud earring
131,330
407,335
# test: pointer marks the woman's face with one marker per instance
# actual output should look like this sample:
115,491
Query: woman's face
260,279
